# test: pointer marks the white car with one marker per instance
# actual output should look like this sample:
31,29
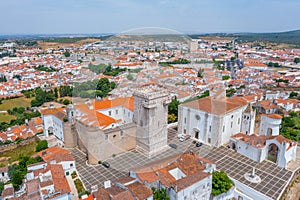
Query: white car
180,136
182,139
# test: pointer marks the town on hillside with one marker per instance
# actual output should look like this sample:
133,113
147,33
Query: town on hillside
148,117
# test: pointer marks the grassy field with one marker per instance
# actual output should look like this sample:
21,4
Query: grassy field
17,102
6,117
65,43
13,155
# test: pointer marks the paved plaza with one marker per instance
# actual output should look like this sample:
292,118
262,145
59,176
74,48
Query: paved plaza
273,178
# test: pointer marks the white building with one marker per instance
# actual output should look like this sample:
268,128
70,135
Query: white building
185,177
260,147
214,120
53,119
270,124
57,155
47,182
267,145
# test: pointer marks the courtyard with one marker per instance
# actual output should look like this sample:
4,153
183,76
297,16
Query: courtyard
273,178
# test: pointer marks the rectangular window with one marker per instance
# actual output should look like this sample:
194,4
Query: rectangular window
109,113
231,124
239,121
209,128
106,137
209,140
117,112
71,165
185,120
223,128
184,131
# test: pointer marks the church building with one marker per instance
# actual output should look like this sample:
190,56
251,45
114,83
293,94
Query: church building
214,120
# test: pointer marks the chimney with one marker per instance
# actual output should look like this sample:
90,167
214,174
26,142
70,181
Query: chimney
107,184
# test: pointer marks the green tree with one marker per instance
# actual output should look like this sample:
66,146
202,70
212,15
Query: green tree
56,93
17,178
1,187
66,102
297,60
226,77
290,126
172,118
200,73
67,53
221,183
21,110
3,78
173,108
130,77
35,103
160,194
42,145
293,94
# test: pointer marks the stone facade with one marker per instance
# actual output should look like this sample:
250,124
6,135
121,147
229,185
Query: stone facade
100,145
142,126
151,119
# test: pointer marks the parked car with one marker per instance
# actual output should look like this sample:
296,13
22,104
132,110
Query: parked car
184,138
174,146
106,164
179,136
187,137
199,144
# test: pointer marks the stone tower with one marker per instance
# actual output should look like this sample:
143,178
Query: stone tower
71,113
248,120
151,117
70,132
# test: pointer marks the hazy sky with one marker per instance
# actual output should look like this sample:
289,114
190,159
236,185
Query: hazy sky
107,16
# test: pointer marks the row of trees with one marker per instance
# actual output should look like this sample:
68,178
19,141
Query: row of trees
17,173
271,64
45,69
42,96
281,80
21,115
94,88
179,61
89,89
105,69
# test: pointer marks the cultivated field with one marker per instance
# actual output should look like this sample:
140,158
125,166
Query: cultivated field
13,155
17,102
6,117
63,44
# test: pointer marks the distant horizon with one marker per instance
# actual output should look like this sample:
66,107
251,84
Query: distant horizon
113,33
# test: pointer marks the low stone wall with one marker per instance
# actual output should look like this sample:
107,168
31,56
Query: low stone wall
12,146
